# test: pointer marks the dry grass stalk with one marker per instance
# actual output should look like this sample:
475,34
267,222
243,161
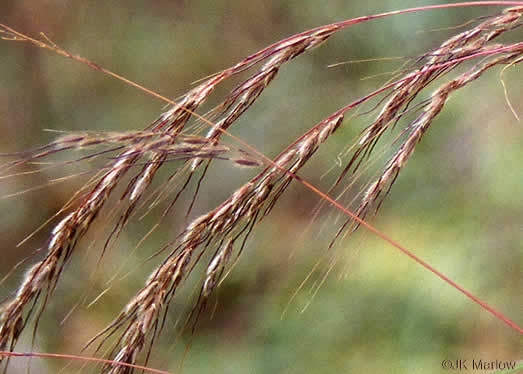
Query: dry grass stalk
227,227
229,222
450,54
44,275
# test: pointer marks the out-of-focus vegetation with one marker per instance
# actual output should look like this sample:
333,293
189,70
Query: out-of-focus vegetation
457,204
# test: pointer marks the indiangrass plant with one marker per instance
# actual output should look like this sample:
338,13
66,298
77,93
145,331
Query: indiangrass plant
170,168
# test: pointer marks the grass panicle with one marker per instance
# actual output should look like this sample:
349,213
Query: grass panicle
222,232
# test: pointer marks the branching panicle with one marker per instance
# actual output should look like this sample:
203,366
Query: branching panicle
223,231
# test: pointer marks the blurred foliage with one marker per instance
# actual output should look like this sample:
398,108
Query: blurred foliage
457,204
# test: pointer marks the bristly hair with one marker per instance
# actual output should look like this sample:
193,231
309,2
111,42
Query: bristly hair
223,232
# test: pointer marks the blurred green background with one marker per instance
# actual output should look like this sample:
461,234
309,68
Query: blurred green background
457,204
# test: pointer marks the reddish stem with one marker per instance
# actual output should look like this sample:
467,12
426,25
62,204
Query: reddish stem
81,358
